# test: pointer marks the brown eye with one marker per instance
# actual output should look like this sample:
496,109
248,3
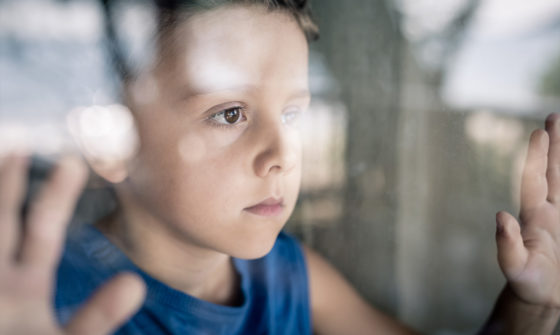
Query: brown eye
232,115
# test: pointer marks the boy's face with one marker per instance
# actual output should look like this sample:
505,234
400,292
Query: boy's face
222,135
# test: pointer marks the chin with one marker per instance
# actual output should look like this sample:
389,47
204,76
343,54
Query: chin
254,248
253,253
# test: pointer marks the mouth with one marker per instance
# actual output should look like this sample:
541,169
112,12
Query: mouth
268,207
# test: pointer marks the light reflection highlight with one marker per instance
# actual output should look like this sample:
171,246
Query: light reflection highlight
106,136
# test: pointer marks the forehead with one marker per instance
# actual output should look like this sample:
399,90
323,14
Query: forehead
238,46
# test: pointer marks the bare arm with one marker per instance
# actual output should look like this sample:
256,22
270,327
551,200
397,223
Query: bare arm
338,309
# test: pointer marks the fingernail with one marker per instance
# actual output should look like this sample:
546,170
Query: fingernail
539,137
15,158
552,120
499,224
17,161
21,158
545,139
75,164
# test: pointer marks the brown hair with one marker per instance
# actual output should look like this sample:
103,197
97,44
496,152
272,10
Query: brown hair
172,12
299,9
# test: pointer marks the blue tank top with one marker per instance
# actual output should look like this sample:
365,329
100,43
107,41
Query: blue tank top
275,291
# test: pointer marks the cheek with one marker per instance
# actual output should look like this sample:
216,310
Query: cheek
195,147
180,163
192,148
294,142
208,191
205,191
206,170
296,146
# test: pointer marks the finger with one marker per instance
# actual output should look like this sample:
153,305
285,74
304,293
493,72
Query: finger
512,254
553,169
109,307
49,214
13,174
534,188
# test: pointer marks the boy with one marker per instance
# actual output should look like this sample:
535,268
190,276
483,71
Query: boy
203,202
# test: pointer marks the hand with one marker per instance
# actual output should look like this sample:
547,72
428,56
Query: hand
28,257
529,251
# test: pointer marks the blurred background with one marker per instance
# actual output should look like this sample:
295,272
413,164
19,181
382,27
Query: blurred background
421,116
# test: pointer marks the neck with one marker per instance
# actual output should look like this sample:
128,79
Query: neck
149,243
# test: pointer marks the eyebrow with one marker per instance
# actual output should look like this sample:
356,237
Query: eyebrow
300,94
197,91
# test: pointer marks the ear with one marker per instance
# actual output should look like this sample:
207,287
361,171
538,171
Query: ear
107,138
112,171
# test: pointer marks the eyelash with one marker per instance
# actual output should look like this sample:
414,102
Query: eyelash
242,117
292,117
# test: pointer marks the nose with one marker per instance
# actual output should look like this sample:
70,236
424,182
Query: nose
278,152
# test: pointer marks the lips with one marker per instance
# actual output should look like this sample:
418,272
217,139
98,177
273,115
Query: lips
268,207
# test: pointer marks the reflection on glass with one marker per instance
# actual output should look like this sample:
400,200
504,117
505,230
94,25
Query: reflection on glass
415,137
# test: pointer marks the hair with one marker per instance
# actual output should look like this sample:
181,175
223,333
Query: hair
299,9
170,13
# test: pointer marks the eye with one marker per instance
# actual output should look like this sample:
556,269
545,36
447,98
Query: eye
230,116
290,116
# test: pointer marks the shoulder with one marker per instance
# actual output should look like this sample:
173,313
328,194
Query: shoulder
276,288
80,271
288,256
285,260
336,306
73,284
287,247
